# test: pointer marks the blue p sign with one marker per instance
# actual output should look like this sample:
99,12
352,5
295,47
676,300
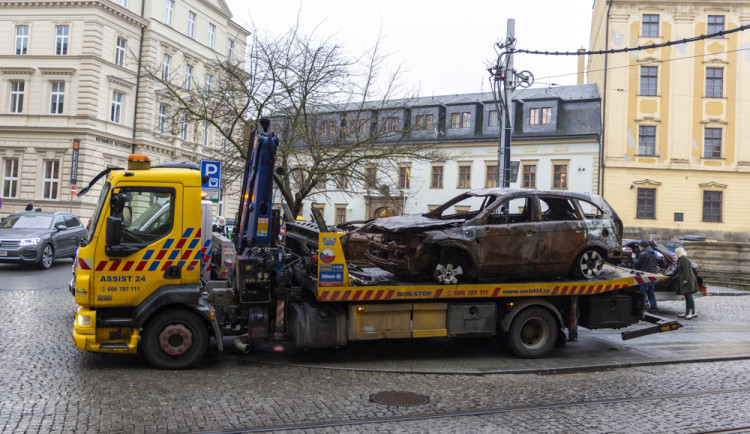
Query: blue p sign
211,174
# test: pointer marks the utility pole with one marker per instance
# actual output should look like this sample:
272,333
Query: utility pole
507,119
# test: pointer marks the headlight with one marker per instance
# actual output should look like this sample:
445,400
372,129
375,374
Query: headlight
84,320
29,242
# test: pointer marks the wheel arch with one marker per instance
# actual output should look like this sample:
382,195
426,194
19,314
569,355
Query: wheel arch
521,305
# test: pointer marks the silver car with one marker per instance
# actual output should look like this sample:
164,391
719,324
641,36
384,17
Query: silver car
40,237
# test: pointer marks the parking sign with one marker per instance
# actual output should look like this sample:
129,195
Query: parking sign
211,174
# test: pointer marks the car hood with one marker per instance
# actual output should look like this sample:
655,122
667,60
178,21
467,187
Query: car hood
18,234
411,223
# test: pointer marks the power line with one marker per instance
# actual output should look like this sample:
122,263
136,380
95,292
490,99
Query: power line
638,48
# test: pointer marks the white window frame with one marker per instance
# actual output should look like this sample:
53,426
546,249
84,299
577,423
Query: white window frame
22,41
224,142
185,126
209,82
17,89
188,76
205,133
120,49
211,34
166,60
10,180
51,183
116,111
62,40
161,125
169,13
123,3
192,17
230,49
56,97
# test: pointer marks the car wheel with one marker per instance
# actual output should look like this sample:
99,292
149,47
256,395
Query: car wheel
532,333
589,264
455,266
47,257
174,339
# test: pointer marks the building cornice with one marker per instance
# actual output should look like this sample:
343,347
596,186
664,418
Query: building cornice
120,82
57,71
16,70
105,5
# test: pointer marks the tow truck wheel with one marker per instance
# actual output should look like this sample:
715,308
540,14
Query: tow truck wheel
589,264
532,333
174,339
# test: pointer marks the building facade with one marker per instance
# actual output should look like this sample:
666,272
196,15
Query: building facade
676,153
70,76
555,143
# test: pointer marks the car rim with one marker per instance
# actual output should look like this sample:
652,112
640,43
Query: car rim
175,339
591,264
47,256
534,333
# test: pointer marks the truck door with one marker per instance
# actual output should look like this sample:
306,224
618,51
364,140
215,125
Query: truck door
508,244
141,255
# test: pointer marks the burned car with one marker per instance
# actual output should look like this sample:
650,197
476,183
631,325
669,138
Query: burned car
498,232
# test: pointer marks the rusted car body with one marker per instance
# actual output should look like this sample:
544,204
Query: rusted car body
500,232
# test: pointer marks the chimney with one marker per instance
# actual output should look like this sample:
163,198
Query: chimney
581,59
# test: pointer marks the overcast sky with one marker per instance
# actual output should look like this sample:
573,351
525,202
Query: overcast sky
445,46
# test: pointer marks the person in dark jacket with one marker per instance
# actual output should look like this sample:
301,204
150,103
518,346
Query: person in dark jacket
688,284
646,261
30,206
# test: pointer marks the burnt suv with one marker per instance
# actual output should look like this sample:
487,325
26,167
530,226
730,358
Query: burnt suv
500,232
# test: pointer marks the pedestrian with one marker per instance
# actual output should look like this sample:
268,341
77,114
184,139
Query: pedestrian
38,209
30,206
688,284
646,261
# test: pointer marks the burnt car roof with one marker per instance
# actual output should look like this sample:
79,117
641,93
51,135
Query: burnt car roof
500,191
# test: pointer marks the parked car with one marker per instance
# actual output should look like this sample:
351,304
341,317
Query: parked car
40,237
666,264
500,232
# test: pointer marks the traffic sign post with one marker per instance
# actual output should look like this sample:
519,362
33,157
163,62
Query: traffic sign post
211,179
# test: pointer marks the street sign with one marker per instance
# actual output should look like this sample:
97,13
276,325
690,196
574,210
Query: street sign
72,190
74,166
212,195
210,174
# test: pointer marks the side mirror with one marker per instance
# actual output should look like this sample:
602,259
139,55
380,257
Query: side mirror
114,231
61,227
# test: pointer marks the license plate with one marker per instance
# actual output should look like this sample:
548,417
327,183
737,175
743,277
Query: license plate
3,253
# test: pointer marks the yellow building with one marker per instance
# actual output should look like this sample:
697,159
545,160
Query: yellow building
676,156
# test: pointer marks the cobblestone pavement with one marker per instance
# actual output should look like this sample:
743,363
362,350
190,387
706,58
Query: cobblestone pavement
46,385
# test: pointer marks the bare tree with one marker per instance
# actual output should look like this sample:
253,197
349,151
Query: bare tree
335,119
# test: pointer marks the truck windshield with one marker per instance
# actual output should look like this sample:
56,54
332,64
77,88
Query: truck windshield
98,212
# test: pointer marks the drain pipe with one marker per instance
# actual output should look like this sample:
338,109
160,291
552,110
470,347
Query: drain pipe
602,140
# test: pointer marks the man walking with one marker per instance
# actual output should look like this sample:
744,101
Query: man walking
646,261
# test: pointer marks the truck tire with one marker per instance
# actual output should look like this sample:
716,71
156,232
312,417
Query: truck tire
532,333
174,339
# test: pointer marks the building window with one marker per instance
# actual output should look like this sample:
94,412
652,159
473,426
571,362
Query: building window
648,80
205,133
712,206
546,115
224,143
169,13
715,24
123,3
404,177
16,96
492,119
116,114
529,176
10,178
340,214
391,124
646,203
371,177
363,125
647,140
188,76
211,34
342,182
209,81
165,62
465,120
460,120
712,148
22,40
51,181
61,40
560,176
191,24
120,50
650,26
492,178
714,82
436,179
534,116
425,122
464,176
230,49
299,178
56,97
184,126
161,125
